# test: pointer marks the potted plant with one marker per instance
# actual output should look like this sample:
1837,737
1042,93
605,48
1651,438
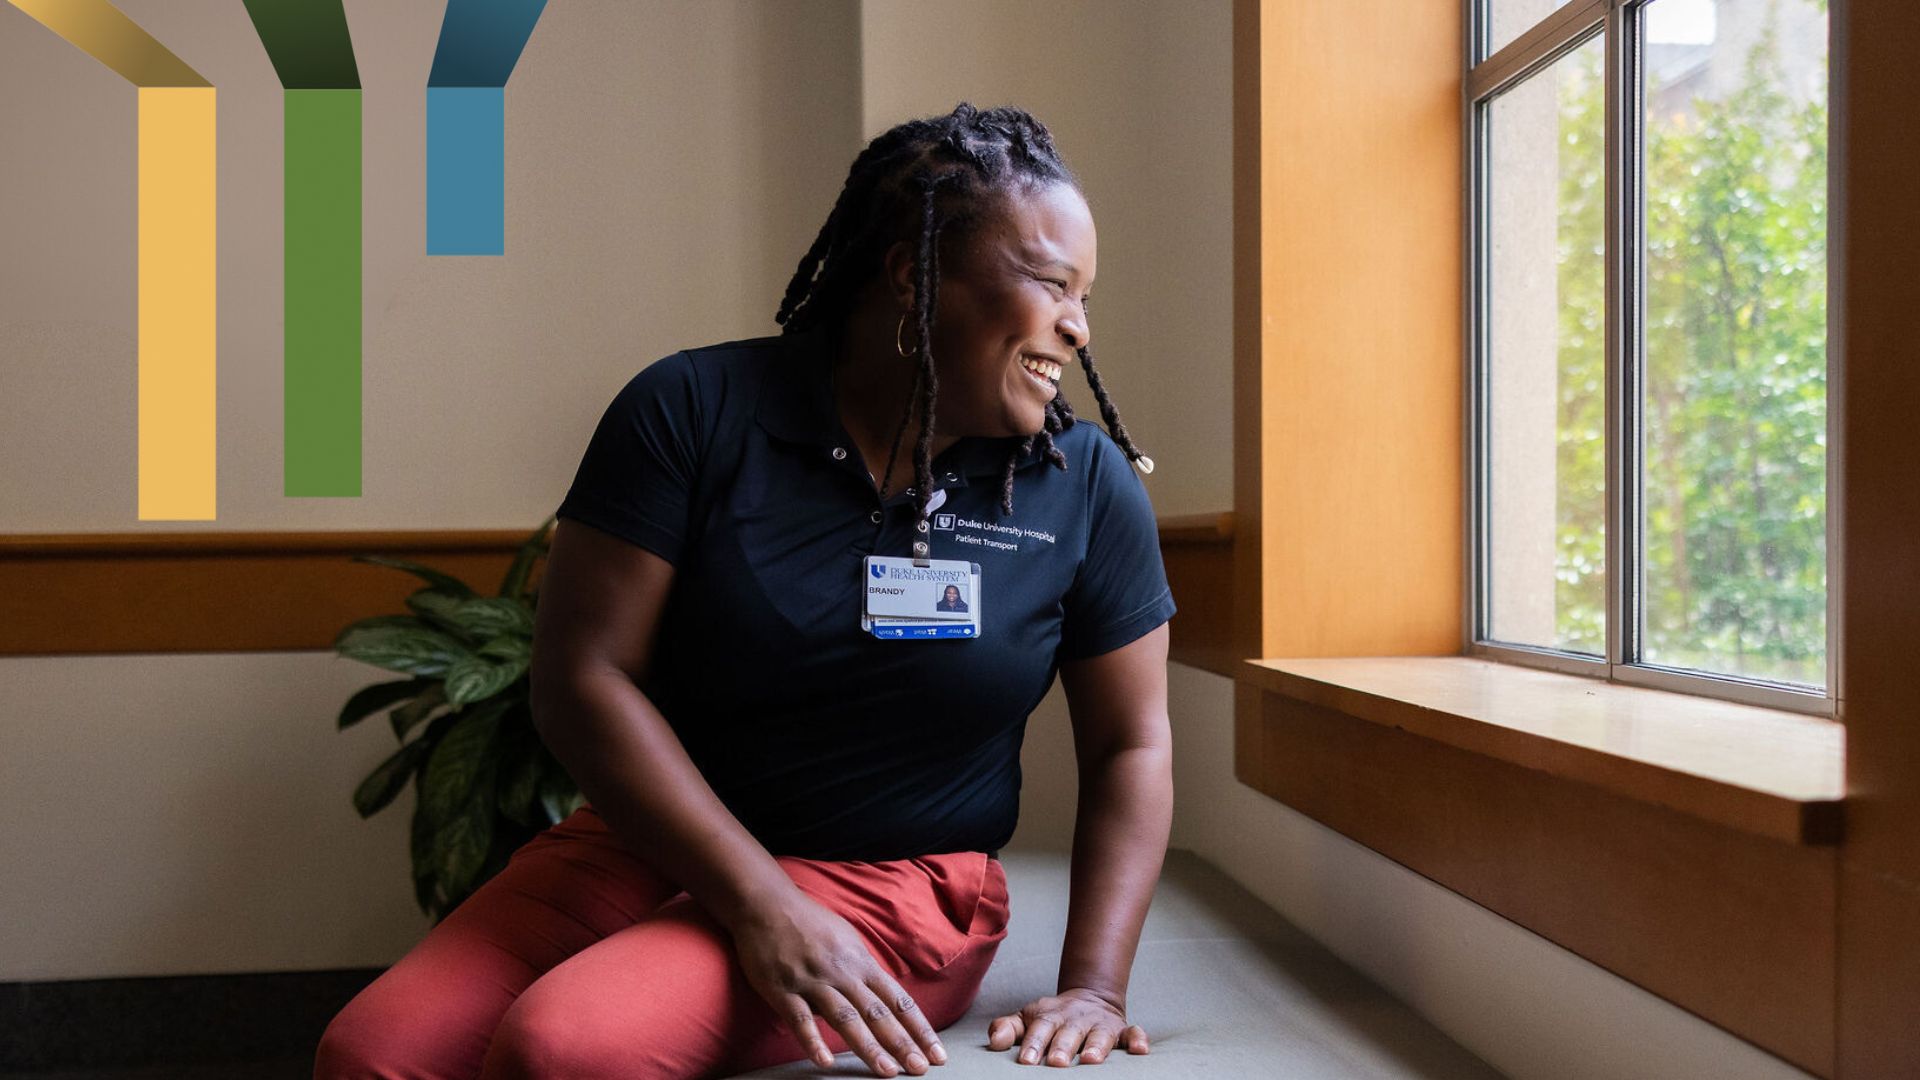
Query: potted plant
486,784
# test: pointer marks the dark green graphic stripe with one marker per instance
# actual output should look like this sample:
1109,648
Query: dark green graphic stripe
308,43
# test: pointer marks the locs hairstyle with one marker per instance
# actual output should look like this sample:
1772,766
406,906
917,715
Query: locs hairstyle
938,175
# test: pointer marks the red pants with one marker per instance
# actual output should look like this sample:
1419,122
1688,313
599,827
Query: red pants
579,960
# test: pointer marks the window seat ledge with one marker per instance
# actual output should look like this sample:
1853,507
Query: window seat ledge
1768,772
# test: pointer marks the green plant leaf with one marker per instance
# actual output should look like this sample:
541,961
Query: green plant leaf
372,699
459,760
460,847
420,846
425,573
437,606
559,795
475,618
474,678
464,788
387,780
531,549
502,615
519,795
406,716
508,647
416,649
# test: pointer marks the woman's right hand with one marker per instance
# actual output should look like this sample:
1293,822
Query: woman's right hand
804,958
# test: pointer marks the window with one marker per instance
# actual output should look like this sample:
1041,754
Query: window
1647,316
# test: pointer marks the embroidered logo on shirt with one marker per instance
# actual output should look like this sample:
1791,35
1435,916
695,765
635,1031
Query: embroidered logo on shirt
999,537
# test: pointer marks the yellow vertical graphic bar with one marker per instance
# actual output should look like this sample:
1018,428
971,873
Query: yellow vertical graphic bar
177,295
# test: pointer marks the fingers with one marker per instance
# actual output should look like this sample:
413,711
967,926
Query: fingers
1066,1044
1038,1033
1063,1040
799,1017
853,1022
908,1015
846,1019
1099,1044
886,1028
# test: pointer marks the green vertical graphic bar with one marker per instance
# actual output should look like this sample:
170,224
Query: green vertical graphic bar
322,395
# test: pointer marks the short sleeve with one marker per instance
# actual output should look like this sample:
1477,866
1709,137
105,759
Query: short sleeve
637,475
1120,591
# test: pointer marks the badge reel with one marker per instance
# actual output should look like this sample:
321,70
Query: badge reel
920,599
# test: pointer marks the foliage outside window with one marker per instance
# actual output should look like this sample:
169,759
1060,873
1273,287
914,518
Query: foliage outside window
1711,338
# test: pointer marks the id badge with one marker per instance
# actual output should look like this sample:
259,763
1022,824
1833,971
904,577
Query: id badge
907,602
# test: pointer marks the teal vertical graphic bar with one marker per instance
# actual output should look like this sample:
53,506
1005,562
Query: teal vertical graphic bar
322,365
480,41
466,170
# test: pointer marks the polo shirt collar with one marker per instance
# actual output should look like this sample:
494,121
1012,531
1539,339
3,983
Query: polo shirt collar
797,405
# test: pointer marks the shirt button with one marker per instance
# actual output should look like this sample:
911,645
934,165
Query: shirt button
874,517
839,453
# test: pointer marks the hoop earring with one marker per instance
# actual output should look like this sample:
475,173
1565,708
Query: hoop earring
897,331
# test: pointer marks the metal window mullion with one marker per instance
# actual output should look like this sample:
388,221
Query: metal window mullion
1838,53
1632,322
1473,329
1535,49
1621,580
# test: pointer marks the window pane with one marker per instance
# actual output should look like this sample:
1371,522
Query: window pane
1734,416
1508,19
1546,357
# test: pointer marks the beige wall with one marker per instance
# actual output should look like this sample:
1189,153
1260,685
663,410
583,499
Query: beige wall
1136,95
183,814
650,205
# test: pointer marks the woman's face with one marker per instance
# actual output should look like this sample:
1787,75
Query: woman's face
953,593
1015,292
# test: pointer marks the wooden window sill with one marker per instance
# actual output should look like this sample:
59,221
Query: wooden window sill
1767,772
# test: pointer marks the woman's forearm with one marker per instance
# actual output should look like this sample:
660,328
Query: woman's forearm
1119,842
632,767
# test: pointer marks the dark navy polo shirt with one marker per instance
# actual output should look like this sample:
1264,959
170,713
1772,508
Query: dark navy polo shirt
731,463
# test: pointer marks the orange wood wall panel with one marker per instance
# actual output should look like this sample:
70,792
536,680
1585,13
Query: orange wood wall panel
1876,397
1350,374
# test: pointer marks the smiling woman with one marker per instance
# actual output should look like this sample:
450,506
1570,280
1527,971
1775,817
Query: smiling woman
782,824
1006,241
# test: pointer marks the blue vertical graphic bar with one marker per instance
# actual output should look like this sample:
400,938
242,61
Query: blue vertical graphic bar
480,41
466,170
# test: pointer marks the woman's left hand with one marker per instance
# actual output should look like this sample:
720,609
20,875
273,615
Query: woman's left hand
1059,1024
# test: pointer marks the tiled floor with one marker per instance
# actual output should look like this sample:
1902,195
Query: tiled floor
1224,986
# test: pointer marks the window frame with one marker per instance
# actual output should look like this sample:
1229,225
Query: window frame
1485,77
